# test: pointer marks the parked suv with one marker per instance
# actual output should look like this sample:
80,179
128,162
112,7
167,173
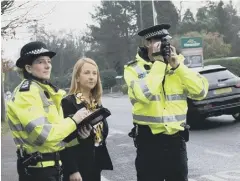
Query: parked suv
223,96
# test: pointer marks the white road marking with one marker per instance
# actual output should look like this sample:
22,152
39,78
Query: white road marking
125,145
104,179
212,178
115,131
218,153
234,174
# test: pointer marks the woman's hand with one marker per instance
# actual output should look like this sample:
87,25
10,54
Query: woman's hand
75,177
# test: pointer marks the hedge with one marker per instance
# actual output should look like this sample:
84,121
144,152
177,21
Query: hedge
232,65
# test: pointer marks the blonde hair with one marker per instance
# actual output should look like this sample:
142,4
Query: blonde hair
75,86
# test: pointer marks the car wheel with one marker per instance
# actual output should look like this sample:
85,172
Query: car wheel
236,116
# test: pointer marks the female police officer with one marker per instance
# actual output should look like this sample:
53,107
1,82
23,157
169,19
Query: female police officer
36,118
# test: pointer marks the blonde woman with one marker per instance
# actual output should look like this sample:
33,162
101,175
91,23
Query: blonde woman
87,154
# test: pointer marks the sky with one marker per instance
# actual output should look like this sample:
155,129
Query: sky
57,15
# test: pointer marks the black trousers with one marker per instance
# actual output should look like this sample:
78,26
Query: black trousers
160,157
41,174
87,165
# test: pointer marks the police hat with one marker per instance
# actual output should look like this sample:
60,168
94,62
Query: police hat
31,51
157,31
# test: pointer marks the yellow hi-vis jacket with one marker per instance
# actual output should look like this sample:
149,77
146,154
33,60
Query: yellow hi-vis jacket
36,120
160,100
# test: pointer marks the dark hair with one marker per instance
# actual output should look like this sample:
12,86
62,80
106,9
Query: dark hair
26,75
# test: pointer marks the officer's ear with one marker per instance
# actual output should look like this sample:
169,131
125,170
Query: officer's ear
28,68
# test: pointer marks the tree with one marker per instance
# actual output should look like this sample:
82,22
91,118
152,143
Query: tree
15,15
112,37
232,28
166,13
69,49
188,22
7,66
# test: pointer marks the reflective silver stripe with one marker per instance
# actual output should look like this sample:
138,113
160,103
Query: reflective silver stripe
163,119
43,135
34,123
21,141
140,71
133,101
15,127
143,85
201,94
176,97
147,92
144,88
154,98
44,99
61,144
132,86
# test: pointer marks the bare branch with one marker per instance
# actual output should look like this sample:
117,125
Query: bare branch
22,18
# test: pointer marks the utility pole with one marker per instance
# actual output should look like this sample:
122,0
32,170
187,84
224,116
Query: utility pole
154,14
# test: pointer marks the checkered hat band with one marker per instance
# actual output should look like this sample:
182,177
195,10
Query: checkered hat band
37,51
160,32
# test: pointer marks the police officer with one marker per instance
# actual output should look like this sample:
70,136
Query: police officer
158,86
36,119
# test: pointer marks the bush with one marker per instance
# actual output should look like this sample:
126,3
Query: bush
232,65
108,78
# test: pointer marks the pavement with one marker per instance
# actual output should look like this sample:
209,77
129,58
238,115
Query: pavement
213,151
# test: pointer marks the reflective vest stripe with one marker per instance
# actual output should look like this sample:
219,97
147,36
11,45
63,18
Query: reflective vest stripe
15,127
61,144
34,123
176,97
164,119
145,90
42,137
133,101
21,141
44,99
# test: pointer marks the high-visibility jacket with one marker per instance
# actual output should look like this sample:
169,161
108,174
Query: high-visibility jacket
159,99
36,120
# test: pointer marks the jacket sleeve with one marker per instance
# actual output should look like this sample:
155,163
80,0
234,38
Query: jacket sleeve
196,85
142,90
30,111
68,155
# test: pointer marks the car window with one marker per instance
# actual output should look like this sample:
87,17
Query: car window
223,74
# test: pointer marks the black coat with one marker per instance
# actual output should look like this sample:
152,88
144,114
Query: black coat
85,153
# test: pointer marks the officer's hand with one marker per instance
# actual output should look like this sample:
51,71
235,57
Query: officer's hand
75,177
173,60
80,115
85,131
155,51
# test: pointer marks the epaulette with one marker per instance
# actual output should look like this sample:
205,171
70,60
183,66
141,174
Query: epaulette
25,86
131,62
